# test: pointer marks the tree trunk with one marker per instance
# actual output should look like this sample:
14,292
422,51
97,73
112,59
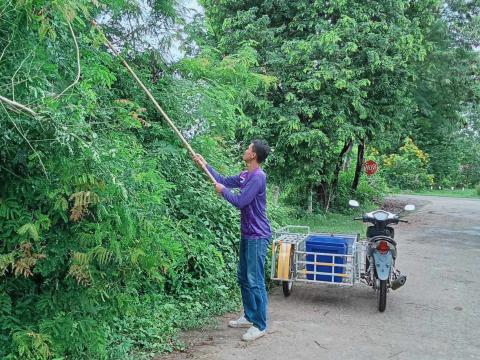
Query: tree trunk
310,201
358,169
347,147
322,193
276,194
326,192
346,160
328,201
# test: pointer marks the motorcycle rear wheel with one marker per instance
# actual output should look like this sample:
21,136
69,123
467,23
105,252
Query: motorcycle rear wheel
382,296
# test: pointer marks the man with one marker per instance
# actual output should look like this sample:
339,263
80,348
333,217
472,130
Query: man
255,235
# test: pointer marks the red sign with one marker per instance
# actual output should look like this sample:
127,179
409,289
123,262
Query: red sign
370,167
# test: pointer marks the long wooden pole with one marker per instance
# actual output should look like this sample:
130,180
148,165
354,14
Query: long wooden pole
159,108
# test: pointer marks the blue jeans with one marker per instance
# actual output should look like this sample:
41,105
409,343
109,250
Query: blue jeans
251,278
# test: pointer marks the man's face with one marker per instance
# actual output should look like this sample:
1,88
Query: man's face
249,154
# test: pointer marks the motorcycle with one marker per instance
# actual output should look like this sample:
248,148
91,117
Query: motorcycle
381,252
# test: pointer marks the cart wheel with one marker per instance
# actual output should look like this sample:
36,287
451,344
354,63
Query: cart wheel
382,296
287,287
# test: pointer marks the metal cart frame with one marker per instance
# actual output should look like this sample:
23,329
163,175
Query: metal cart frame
291,262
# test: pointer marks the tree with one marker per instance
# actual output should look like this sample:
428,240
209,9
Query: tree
447,94
107,227
346,73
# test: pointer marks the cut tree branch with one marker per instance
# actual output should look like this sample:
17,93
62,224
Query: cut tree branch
15,74
28,142
5,49
78,62
17,106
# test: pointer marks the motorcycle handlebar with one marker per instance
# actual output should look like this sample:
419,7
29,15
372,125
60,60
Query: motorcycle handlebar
393,221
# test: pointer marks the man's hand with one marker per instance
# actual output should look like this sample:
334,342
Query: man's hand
219,188
200,160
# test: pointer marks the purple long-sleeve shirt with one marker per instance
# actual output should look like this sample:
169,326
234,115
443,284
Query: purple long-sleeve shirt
252,201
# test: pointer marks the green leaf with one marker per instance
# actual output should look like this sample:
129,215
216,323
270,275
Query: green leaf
30,230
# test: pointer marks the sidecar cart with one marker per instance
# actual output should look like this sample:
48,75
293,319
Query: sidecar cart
300,255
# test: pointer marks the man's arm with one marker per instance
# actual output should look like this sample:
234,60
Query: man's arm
247,194
229,181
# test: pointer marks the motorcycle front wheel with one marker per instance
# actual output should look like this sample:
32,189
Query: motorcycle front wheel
382,296
287,288
288,284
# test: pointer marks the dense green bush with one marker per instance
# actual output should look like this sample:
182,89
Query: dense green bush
371,189
407,169
111,240
115,259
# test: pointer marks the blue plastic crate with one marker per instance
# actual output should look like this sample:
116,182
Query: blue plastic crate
330,244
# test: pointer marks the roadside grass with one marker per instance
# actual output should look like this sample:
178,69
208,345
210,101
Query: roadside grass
458,193
330,223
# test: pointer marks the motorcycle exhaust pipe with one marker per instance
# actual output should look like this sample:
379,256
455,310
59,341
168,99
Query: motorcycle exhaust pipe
398,282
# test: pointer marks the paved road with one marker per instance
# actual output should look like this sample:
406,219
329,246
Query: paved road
436,315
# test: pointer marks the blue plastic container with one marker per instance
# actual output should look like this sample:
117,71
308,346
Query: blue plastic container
330,244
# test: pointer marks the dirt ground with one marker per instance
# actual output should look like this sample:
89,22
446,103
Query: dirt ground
436,315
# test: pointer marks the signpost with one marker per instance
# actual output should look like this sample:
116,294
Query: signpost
370,167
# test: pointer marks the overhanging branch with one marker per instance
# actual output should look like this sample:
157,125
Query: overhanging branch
17,106
78,62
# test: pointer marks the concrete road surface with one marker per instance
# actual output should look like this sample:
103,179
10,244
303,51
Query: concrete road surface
436,315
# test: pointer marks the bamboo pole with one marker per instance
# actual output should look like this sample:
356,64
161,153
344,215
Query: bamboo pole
159,108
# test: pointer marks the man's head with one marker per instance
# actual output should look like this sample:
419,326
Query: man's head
257,151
